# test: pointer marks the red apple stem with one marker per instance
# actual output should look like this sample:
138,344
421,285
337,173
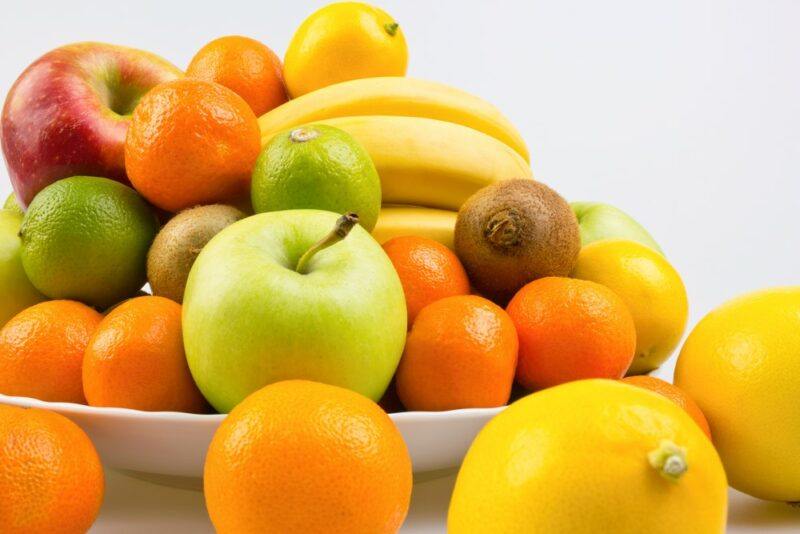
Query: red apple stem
344,224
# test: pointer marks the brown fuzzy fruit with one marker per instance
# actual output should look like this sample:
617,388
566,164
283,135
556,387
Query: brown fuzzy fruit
515,231
179,242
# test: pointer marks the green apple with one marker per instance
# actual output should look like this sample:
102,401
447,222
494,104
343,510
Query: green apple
16,290
600,221
290,294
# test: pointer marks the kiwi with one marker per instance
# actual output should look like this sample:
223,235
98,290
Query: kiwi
179,242
515,231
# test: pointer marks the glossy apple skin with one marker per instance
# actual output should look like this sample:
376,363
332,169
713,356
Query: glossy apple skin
249,319
68,112
598,221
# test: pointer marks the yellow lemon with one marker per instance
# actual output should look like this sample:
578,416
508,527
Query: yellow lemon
586,457
652,289
741,364
341,42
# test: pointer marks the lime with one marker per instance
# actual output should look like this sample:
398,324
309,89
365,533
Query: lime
16,290
317,167
86,238
12,204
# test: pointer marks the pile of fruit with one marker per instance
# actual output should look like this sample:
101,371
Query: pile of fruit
327,240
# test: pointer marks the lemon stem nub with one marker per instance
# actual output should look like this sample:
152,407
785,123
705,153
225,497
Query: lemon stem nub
669,459
344,224
391,28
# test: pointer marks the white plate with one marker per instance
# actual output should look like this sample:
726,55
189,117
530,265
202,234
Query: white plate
166,445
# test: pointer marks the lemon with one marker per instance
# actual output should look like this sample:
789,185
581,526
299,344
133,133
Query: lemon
341,42
652,289
12,204
741,364
586,457
16,291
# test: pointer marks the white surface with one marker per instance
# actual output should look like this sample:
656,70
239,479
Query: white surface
683,113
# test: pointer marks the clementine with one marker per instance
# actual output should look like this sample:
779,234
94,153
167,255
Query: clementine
675,394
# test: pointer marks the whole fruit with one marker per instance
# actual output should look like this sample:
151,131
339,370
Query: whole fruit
601,221
741,363
651,288
301,456
12,204
344,41
17,291
591,456
86,238
673,393
179,242
301,301
68,113
515,231
51,478
317,167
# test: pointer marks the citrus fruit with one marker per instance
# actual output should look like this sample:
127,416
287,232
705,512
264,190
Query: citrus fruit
51,478
651,288
429,271
12,204
245,66
41,351
570,329
86,239
461,353
741,363
17,291
301,456
318,167
586,457
673,393
191,142
344,41
137,341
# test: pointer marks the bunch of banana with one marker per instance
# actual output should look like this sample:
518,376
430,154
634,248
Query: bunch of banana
402,96
397,220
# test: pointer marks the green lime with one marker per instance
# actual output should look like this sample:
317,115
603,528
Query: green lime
12,204
86,239
317,167
16,290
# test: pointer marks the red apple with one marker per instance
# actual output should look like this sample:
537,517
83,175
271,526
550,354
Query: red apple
68,113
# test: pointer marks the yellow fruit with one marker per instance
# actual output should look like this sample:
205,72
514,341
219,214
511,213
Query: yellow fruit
652,289
431,163
741,364
394,95
586,457
397,220
344,41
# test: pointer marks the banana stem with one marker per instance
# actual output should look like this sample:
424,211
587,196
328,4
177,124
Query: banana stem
344,224
669,459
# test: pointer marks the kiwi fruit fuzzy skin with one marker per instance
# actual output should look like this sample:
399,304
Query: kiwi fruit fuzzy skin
179,242
515,231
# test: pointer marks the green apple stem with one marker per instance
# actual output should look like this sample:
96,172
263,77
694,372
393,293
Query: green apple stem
344,224
669,459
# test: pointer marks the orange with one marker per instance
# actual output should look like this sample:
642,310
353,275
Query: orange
51,478
428,270
41,351
675,394
569,330
136,360
191,142
246,67
461,353
300,456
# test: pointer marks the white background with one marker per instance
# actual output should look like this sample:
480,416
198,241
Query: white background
684,113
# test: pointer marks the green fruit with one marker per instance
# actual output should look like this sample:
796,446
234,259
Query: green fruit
86,239
16,291
254,313
12,204
317,167
601,221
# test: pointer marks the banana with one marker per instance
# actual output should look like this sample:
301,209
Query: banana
431,163
394,96
397,220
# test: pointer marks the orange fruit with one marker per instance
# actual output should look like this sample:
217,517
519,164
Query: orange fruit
461,353
300,456
191,142
569,330
245,66
428,270
41,351
51,478
136,360
675,394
